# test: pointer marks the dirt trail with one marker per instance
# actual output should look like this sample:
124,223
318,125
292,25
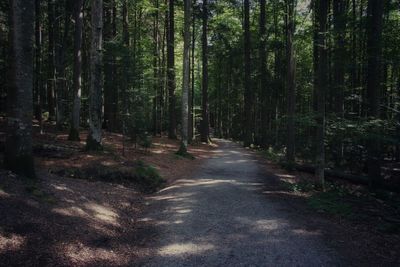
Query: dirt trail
220,217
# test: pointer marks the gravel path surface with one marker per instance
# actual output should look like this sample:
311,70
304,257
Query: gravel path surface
220,217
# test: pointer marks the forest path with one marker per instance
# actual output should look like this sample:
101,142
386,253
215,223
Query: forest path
219,217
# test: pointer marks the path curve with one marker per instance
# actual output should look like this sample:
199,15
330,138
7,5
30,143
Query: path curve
219,217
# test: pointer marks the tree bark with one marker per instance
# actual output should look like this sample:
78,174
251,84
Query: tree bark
93,141
186,77
264,91
18,150
205,134
77,72
171,71
374,78
321,91
248,93
51,60
291,83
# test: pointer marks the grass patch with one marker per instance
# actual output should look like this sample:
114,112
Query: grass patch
331,202
300,187
146,177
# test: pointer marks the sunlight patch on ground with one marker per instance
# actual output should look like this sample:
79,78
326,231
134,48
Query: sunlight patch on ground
79,253
184,248
305,232
71,211
62,187
103,213
10,242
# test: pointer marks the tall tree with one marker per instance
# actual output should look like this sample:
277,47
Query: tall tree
186,77
171,71
93,141
77,72
248,93
291,81
322,79
339,57
374,78
18,151
51,59
61,81
204,104
263,74
38,90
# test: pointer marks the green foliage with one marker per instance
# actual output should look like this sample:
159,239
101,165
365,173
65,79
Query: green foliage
148,177
331,202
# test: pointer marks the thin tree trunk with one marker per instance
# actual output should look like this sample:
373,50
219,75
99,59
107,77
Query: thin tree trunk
93,141
186,77
374,78
205,134
51,60
77,73
263,76
18,150
291,83
171,71
321,91
248,94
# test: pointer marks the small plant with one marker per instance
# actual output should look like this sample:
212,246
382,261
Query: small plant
331,202
148,177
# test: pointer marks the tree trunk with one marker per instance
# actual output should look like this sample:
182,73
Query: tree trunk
51,60
264,91
339,24
248,94
18,151
186,77
77,72
171,71
110,88
93,141
38,91
322,80
291,83
204,103
61,81
374,77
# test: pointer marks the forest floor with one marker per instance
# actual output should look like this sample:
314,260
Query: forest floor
228,206
83,210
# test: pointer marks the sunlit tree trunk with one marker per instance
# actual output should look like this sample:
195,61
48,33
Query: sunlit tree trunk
18,151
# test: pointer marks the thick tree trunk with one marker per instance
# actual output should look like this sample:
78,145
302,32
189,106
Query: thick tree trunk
77,74
291,84
93,141
248,93
18,151
321,91
186,77
171,71
205,134
374,78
